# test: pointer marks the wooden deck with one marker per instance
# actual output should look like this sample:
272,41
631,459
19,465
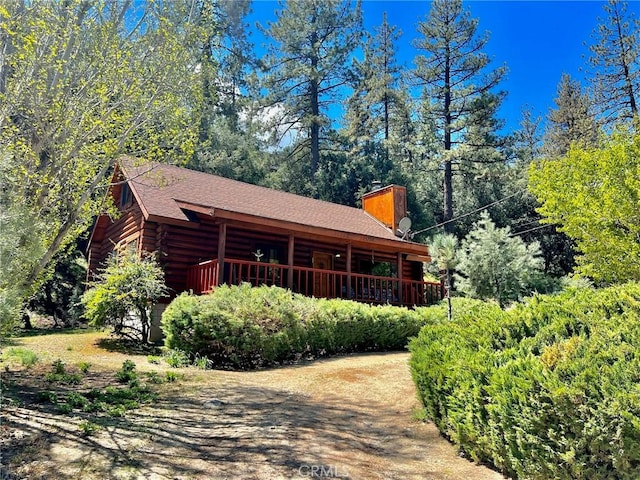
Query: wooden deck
319,283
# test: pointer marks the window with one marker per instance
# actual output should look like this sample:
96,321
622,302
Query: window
379,269
269,253
126,196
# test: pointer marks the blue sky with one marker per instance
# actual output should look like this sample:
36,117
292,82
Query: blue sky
537,40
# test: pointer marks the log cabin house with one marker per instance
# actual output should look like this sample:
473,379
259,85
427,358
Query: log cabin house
210,230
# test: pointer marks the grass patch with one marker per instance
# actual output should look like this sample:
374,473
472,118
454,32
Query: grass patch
27,358
84,367
88,428
177,358
111,401
40,332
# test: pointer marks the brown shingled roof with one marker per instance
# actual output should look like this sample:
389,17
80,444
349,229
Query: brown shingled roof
162,190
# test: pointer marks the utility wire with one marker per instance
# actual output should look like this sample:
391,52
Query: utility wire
484,207
531,230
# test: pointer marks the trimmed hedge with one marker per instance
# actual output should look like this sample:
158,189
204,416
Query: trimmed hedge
547,389
245,327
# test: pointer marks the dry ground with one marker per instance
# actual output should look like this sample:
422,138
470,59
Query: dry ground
345,417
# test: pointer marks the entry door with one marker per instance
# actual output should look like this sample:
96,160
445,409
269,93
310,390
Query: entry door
321,261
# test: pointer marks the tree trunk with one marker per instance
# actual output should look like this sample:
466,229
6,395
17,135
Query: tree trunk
26,320
315,122
448,171
144,324
448,289
625,65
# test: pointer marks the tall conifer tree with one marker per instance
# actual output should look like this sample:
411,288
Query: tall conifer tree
615,59
571,122
307,65
458,84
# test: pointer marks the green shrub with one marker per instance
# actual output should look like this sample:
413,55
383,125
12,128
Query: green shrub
65,408
202,362
245,327
154,377
76,400
177,358
127,285
127,373
58,367
546,389
47,396
155,359
84,367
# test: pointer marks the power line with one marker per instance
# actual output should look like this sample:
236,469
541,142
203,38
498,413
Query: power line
531,230
484,207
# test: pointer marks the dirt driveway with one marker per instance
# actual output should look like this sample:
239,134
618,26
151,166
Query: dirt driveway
348,417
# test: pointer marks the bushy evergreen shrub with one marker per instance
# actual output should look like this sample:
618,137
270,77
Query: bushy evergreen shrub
547,389
244,327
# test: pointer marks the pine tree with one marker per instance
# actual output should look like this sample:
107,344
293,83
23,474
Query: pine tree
454,73
571,122
377,87
527,140
307,65
229,136
615,62
234,56
493,264
520,213
443,250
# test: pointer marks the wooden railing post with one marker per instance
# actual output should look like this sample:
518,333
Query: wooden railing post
222,244
290,259
349,270
204,277
400,284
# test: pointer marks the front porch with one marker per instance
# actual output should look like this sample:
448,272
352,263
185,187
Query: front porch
317,282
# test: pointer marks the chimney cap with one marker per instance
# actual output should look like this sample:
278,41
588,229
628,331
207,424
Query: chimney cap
376,185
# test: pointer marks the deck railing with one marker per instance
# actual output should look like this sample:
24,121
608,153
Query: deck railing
205,276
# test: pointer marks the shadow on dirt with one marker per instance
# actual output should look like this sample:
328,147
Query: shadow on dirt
212,434
128,347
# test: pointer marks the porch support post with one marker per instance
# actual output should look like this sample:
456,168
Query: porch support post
222,245
290,258
348,270
400,285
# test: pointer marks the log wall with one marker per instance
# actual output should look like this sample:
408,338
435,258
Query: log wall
110,234
180,247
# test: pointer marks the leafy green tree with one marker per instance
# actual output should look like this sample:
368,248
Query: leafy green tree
593,195
82,83
19,244
123,293
571,122
458,84
493,264
306,68
615,60
443,250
